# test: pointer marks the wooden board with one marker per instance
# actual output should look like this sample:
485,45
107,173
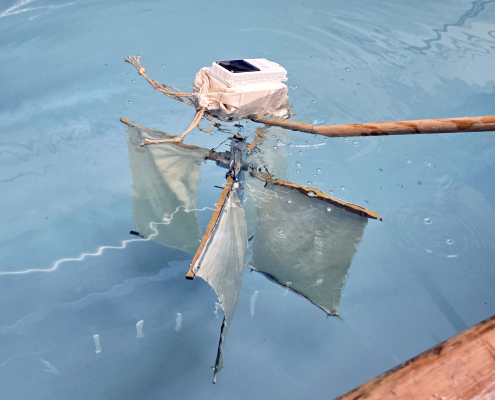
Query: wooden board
462,367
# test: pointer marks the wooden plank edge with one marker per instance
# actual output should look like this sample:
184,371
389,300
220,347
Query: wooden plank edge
462,367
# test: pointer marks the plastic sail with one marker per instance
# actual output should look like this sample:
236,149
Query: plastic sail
222,261
264,158
165,182
306,245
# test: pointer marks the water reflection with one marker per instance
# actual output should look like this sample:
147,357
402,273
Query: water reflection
302,239
477,7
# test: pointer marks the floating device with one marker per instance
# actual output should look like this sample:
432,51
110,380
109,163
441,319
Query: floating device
304,240
236,89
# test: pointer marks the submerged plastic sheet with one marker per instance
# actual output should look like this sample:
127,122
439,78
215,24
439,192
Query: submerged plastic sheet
267,157
306,244
165,183
222,261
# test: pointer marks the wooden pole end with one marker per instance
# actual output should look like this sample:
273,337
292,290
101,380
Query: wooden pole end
190,275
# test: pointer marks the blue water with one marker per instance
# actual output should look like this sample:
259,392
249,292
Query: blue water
69,269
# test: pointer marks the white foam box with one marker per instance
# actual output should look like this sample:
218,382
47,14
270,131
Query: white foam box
247,72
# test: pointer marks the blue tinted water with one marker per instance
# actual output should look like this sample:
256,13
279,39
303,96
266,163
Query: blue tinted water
69,270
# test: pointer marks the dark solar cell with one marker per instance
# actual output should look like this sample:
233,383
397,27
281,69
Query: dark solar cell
237,66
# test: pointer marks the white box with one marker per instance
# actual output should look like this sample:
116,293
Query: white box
268,71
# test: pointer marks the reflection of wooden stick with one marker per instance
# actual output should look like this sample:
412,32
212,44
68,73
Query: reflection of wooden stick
211,225
468,124
462,367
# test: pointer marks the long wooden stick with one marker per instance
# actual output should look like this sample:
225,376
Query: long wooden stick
462,367
467,124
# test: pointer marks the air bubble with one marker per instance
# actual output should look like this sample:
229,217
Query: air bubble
310,183
318,170
289,201
275,147
130,101
331,191
326,138
329,209
298,170
295,86
342,187
127,74
133,80
427,221
314,101
311,193
355,143
163,65
408,161
290,145
280,232
279,141
314,174
346,139
449,241
300,153
298,164
347,69
354,92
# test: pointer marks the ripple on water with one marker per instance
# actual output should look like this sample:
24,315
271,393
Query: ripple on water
449,227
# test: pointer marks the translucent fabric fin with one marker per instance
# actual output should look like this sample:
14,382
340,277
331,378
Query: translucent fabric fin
306,244
165,182
266,157
222,261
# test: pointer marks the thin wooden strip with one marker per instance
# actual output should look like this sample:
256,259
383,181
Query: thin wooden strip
318,194
423,126
211,225
462,367
212,155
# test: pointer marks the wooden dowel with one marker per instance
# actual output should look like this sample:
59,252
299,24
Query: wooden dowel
462,367
421,126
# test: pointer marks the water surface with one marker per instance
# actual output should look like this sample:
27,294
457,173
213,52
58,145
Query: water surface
70,270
